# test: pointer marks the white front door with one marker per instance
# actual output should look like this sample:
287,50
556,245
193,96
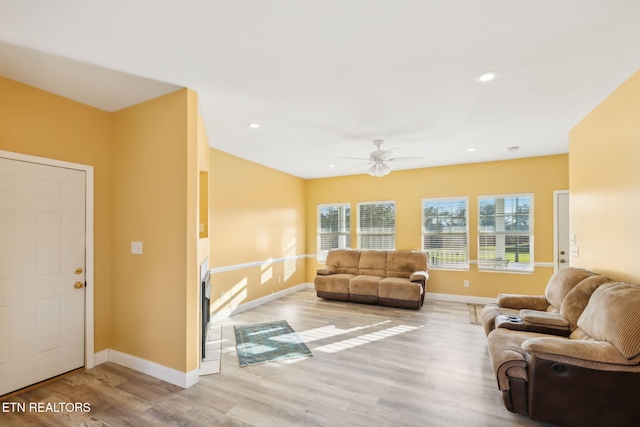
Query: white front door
42,263
561,227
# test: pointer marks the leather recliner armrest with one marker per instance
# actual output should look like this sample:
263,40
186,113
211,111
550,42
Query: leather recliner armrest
544,318
419,276
577,351
519,302
326,271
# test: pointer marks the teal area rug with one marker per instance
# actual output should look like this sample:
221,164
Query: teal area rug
268,342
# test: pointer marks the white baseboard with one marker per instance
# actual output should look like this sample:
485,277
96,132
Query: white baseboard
458,298
101,357
156,370
173,376
227,312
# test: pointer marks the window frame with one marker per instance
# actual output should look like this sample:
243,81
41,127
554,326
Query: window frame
360,234
505,264
433,262
321,254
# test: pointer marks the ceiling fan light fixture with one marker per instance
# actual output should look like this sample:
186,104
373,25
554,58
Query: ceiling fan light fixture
379,170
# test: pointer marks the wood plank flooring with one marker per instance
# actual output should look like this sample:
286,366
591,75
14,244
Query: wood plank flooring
372,366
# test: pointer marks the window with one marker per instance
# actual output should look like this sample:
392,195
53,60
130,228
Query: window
445,232
505,235
334,228
377,225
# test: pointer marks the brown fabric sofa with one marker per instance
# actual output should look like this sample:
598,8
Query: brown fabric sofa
389,278
591,378
556,312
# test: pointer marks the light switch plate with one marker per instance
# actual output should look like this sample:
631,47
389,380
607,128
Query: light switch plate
136,248
575,251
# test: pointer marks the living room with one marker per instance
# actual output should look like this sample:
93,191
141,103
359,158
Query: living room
149,161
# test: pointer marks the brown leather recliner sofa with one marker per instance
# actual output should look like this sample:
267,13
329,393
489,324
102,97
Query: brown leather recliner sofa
591,377
390,278
556,312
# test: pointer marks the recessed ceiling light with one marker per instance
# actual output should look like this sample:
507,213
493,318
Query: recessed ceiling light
514,148
253,125
471,150
487,76
332,166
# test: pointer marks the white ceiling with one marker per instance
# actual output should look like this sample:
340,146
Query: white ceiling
324,78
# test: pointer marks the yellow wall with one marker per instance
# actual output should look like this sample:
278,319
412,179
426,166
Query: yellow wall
605,185
41,124
155,202
203,238
538,175
257,228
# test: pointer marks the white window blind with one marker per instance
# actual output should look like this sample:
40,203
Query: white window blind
445,232
334,228
505,232
377,225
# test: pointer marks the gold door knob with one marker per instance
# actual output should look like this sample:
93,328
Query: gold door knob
562,261
79,270
78,285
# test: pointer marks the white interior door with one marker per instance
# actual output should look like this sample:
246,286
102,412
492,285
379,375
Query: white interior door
42,263
561,227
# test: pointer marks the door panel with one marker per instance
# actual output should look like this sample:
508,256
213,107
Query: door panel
561,225
42,238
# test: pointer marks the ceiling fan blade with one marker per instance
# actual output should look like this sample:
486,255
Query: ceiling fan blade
404,159
358,166
386,153
356,158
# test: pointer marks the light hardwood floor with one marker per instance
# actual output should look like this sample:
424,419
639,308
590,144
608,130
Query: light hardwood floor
371,366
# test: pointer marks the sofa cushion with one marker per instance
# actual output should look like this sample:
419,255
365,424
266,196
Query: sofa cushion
561,283
373,263
364,285
343,260
399,288
612,315
336,283
404,263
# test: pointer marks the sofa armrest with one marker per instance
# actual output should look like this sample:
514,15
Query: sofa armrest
519,302
544,318
578,352
326,271
506,356
419,276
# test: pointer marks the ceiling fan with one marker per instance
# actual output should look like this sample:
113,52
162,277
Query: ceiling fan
378,158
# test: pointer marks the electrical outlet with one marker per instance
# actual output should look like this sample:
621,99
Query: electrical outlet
466,283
